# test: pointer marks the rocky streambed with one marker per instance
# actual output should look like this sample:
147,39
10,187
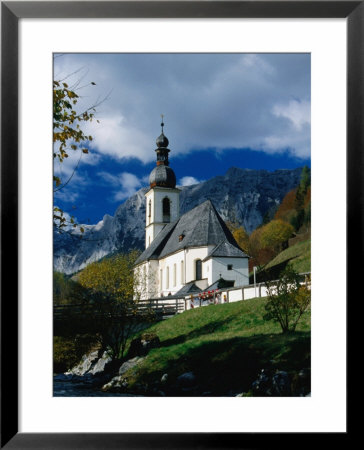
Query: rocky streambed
97,375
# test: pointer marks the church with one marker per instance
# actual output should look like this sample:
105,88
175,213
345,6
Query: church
184,254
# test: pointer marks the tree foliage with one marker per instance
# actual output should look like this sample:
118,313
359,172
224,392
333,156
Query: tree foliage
267,241
296,205
67,133
239,233
274,234
287,300
300,200
259,255
287,208
68,136
67,291
242,238
113,310
111,277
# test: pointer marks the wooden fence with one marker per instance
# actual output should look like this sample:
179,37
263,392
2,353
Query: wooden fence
164,307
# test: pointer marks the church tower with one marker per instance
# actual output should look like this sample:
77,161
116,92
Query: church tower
162,199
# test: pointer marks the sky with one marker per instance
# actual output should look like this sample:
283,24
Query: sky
220,110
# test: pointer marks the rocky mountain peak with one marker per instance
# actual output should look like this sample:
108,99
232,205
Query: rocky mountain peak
241,195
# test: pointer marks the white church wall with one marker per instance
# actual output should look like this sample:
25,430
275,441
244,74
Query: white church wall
193,254
156,195
239,271
174,265
154,211
147,279
182,264
151,232
153,278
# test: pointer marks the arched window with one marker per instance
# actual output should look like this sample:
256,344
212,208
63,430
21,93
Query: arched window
167,278
182,273
149,210
166,210
174,275
198,269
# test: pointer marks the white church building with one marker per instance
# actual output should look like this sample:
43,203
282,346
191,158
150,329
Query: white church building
184,254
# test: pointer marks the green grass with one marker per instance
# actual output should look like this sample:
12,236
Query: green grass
299,257
224,345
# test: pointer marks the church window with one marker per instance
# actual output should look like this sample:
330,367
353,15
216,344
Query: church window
166,210
149,210
174,274
167,278
182,273
198,269
161,279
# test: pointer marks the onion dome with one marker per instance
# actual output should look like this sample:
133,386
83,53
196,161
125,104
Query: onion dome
162,176
162,141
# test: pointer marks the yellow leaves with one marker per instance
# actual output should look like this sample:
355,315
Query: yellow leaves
57,180
66,133
242,238
71,94
112,276
275,233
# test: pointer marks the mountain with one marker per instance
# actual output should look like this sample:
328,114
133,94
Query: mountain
241,195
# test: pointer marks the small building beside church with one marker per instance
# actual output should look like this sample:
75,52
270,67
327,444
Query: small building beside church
184,254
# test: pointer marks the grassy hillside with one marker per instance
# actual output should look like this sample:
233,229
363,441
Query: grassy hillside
225,346
298,256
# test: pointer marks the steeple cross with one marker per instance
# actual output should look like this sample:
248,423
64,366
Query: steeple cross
162,124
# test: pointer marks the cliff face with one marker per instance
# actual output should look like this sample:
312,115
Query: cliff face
241,195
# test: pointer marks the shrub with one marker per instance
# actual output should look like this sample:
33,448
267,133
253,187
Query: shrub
287,300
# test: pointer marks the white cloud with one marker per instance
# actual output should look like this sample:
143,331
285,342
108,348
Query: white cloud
209,101
115,137
73,184
297,112
188,181
125,184
298,146
113,180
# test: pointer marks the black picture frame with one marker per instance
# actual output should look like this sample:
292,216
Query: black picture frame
11,12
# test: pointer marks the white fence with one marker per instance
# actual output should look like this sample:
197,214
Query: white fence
173,304
235,294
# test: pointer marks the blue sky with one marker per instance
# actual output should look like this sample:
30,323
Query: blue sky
221,110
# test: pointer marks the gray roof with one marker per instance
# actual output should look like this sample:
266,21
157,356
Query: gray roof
156,246
188,288
201,226
220,284
226,249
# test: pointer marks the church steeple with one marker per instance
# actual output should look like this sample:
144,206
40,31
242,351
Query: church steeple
163,198
162,150
162,175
